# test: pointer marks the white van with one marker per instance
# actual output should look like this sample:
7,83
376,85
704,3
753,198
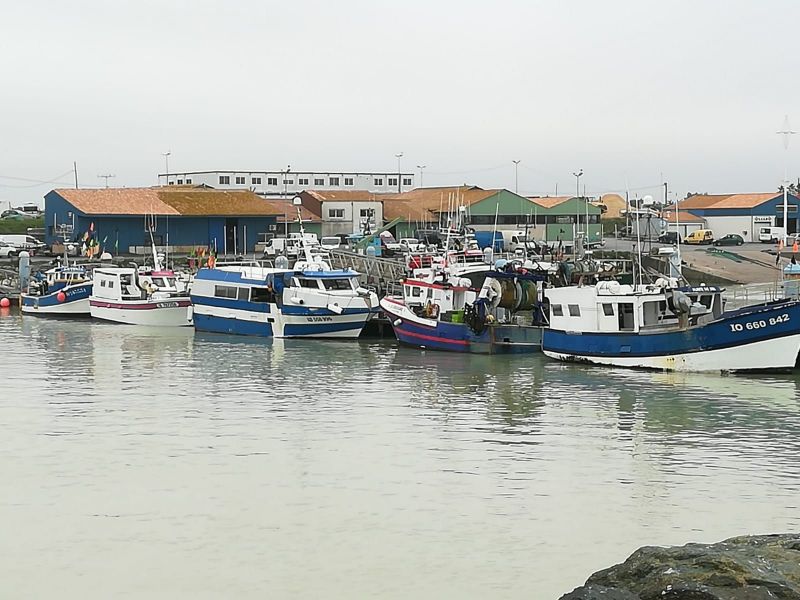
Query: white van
771,234
22,241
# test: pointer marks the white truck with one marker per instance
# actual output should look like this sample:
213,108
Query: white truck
771,234
290,246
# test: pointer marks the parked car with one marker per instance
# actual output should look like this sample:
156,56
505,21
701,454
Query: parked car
7,250
412,245
13,215
700,236
669,237
732,239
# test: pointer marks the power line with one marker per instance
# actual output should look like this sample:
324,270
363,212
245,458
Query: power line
36,182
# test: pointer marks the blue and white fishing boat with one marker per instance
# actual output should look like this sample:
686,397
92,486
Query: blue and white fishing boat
471,307
64,290
664,327
309,300
283,303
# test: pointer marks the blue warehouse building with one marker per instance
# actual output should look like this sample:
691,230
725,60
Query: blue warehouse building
183,217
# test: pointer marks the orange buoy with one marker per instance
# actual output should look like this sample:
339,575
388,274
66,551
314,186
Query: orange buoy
61,297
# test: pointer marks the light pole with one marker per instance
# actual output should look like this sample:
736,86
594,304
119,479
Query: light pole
285,175
399,171
516,178
421,167
166,161
577,205
787,131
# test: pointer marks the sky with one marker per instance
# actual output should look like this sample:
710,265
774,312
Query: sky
633,93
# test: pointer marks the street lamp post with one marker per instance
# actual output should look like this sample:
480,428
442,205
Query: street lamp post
787,131
421,167
166,160
516,178
577,205
399,171
286,193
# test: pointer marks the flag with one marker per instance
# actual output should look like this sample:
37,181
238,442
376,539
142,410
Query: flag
91,227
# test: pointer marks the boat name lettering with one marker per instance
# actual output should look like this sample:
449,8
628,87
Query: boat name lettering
784,318
167,304
319,319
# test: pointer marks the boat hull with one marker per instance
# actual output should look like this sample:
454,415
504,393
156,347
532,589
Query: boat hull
152,313
761,338
268,320
430,334
76,302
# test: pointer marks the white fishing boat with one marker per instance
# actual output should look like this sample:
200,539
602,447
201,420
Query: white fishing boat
140,296
665,327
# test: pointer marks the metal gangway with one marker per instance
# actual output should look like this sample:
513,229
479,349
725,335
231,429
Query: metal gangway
382,274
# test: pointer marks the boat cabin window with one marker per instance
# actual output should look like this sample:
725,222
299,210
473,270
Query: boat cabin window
706,300
574,310
158,281
416,292
225,291
244,294
258,294
102,283
111,283
608,310
338,284
626,316
307,283
558,310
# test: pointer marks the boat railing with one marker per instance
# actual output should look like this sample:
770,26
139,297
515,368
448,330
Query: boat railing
745,295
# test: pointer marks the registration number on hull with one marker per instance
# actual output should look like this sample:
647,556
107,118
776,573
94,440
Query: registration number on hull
752,325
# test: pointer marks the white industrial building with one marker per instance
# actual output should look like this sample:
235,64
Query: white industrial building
345,212
287,183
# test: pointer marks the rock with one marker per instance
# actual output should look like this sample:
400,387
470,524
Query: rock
742,568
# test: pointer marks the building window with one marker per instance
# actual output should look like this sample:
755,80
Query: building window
272,181
171,183
188,181
367,212
574,310
255,180
288,182
406,180
378,181
239,180
558,310
392,181
224,179
336,213
348,181
319,182
180,181
302,181
334,181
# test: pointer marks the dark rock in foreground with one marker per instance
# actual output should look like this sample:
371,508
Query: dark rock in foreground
742,568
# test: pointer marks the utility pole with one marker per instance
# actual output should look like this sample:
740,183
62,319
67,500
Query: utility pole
577,205
106,177
75,171
399,171
516,175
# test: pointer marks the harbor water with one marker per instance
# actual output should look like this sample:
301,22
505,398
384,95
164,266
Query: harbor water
143,463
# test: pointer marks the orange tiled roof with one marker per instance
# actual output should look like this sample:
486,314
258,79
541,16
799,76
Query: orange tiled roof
345,195
549,201
683,217
437,197
411,211
168,200
701,201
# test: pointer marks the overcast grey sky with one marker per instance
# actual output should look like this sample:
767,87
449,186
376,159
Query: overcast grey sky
625,90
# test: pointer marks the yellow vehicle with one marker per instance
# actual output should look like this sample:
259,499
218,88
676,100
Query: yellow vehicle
700,236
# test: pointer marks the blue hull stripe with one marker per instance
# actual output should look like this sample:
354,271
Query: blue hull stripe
774,321
458,337
234,326
260,307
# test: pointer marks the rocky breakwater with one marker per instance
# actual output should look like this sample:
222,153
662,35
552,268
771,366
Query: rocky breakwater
760,567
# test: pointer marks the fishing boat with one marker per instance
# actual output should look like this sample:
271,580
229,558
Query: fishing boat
309,300
471,307
152,296
63,290
666,327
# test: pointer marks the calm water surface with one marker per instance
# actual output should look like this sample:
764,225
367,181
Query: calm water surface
163,464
